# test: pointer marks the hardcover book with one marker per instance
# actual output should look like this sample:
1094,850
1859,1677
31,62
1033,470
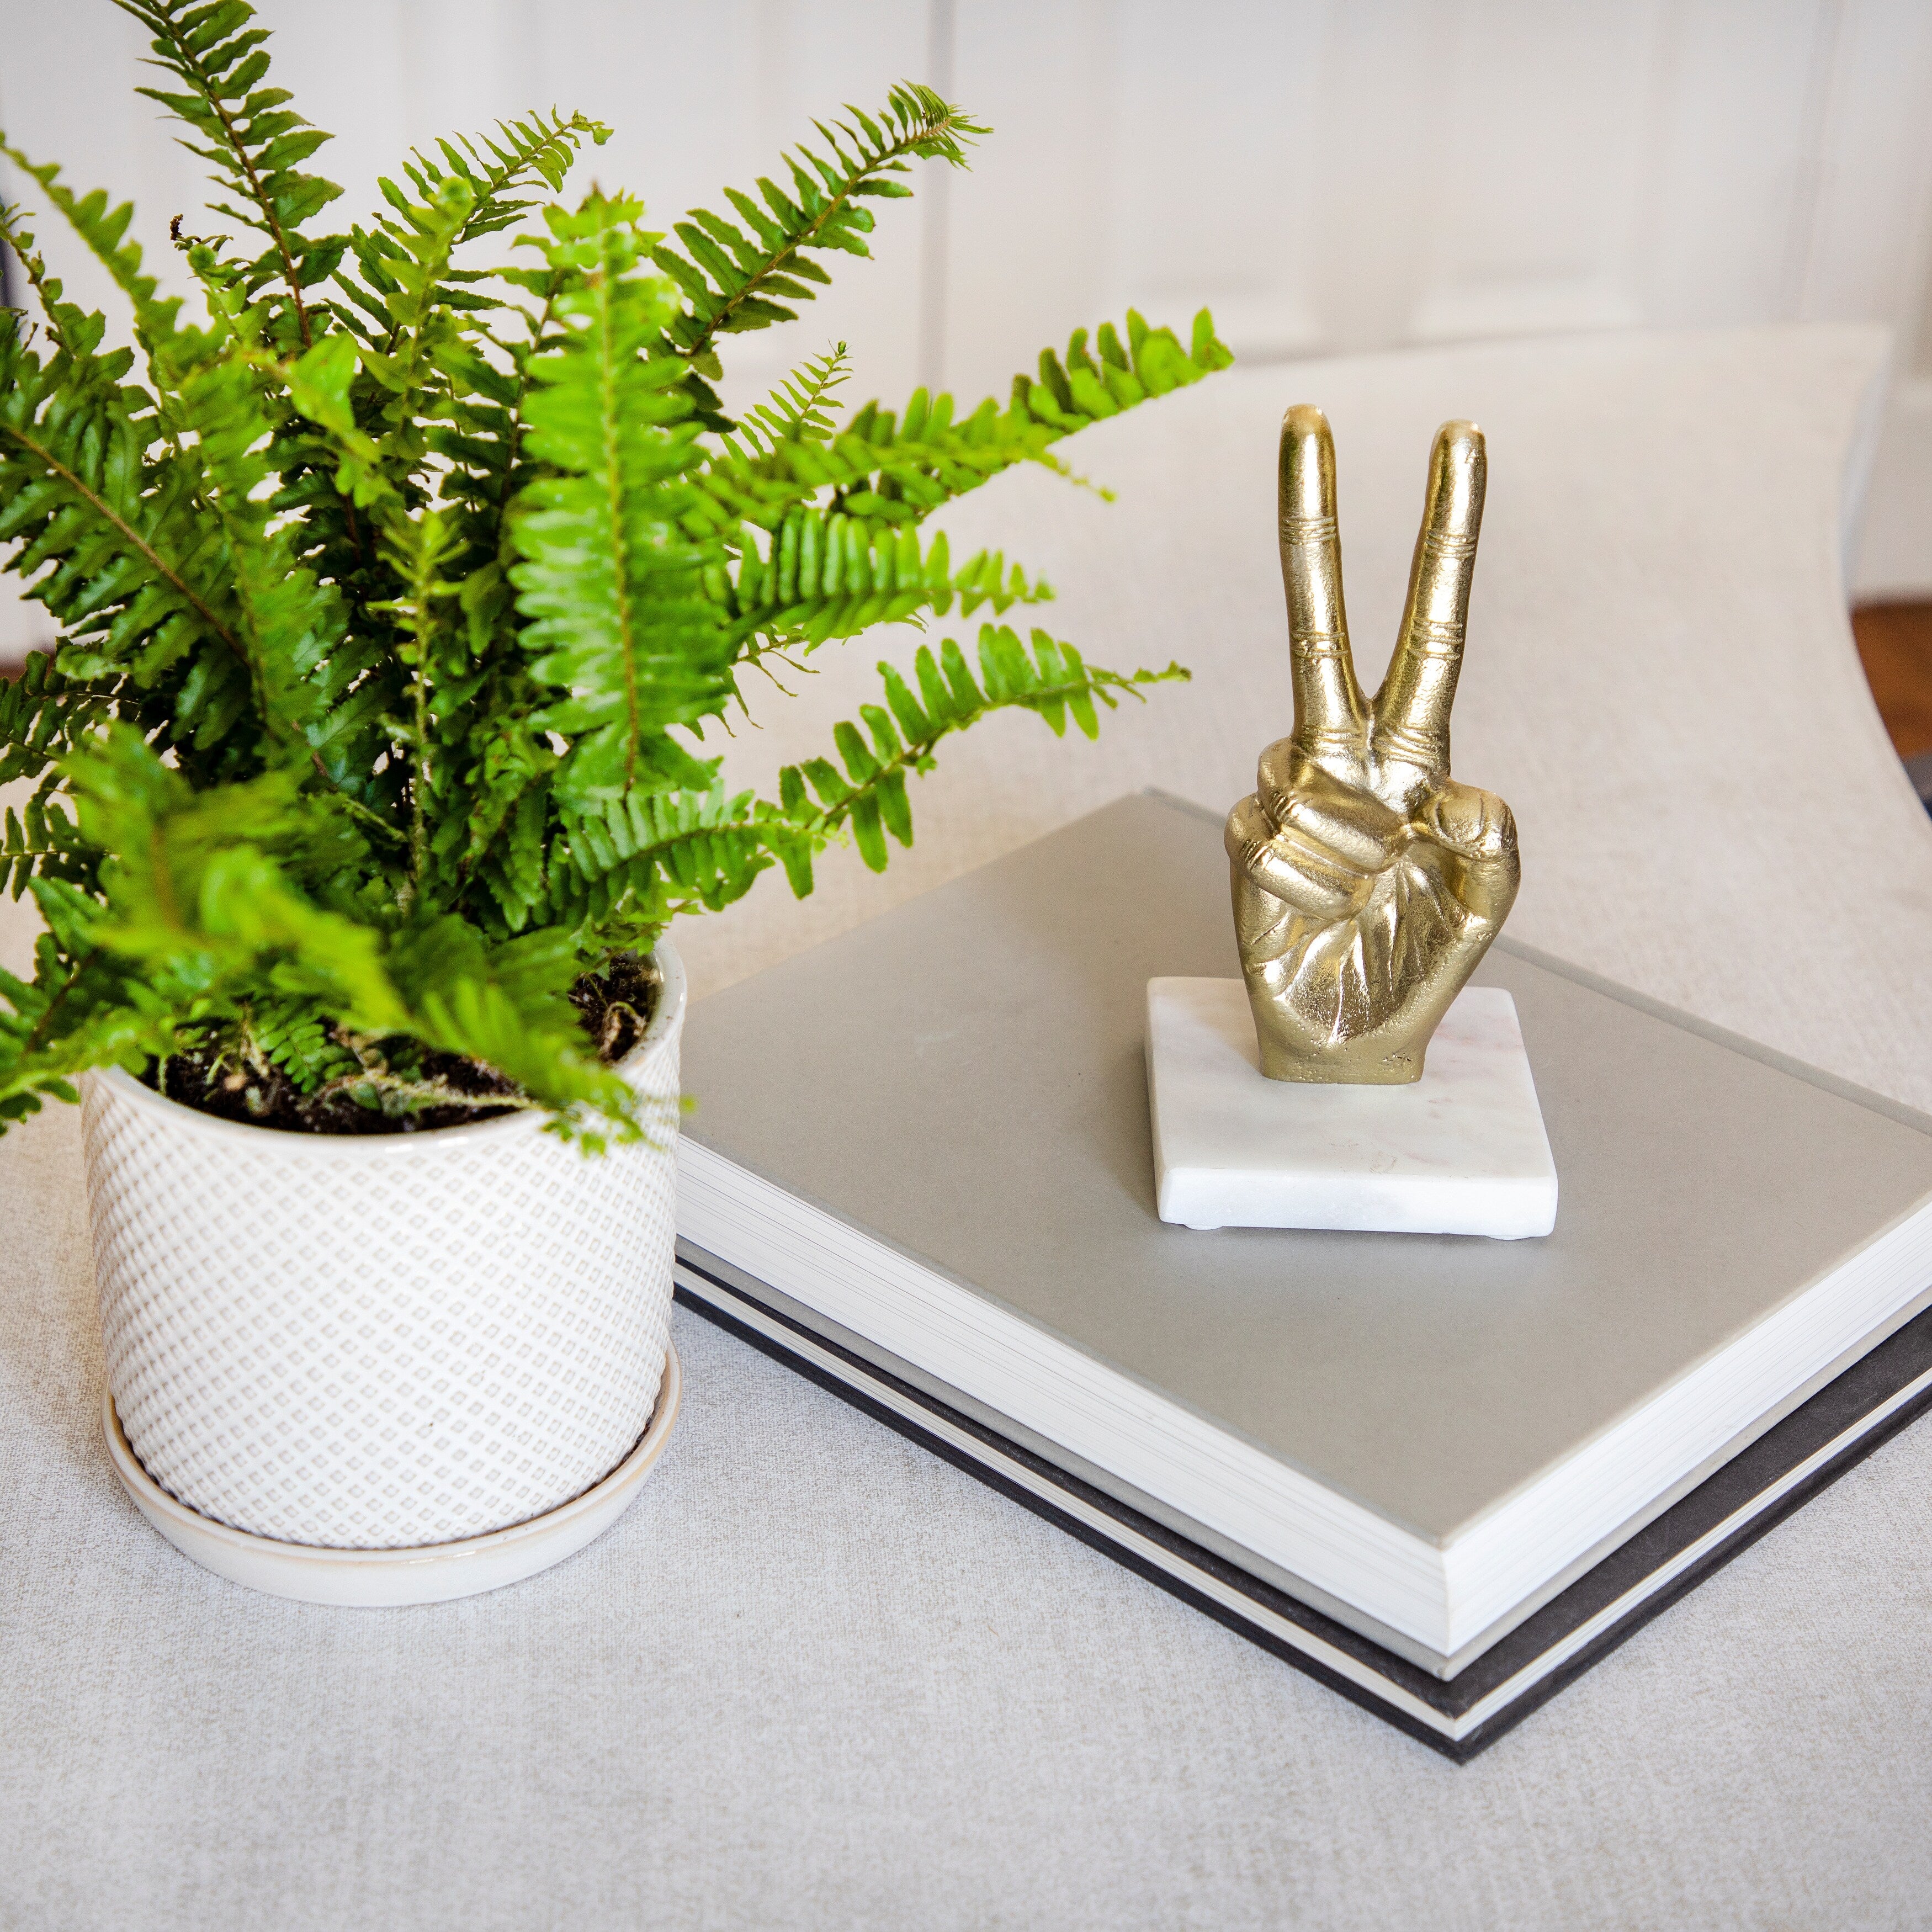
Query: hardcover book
1441,1472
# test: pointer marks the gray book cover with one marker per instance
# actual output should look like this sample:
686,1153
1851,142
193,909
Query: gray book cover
963,1079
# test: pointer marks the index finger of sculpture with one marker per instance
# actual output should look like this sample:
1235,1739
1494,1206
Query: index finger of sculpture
1330,712
1411,710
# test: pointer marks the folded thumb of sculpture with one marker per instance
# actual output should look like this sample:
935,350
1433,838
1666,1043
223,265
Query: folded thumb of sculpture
1368,883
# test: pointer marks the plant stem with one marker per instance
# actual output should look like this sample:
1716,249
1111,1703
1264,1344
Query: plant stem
131,537
419,779
53,1006
426,1093
775,263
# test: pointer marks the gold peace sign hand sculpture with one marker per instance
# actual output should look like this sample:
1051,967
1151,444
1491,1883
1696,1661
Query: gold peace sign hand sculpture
1368,883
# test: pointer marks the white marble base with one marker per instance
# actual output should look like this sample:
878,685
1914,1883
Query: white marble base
1462,1151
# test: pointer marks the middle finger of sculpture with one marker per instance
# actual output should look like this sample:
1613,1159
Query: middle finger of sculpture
1368,883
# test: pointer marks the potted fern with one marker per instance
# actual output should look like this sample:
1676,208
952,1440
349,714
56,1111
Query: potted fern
397,588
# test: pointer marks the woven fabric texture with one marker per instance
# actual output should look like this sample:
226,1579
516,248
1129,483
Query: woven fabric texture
817,1678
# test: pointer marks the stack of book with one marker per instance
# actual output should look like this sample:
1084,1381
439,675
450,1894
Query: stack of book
1443,1473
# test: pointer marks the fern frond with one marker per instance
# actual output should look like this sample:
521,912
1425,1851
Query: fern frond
249,135
41,841
43,717
193,900
1054,682
82,1008
288,1032
203,901
197,884
499,838
897,467
734,280
825,574
506,1006
406,259
155,559
75,332
498,168
102,229
900,467
290,621
1087,386
794,413
631,866
619,622
406,263
417,551
140,579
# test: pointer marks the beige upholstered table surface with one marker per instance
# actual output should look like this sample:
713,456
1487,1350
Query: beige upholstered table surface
817,1678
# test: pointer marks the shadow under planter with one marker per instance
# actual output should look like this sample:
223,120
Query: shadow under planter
388,1578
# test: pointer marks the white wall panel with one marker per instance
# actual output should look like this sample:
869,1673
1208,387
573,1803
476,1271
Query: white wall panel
1327,174
1032,228
698,98
1537,122
1216,201
1736,113
1873,202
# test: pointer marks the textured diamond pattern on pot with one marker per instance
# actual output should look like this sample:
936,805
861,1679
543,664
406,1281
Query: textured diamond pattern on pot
369,1345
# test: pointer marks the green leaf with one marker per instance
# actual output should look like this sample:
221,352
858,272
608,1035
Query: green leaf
728,277
393,609
619,625
872,798
255,143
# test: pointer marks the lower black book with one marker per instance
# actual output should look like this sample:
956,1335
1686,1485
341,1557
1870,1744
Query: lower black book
1805,1453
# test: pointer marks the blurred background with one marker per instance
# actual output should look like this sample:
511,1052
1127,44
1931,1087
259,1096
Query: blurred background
1330,176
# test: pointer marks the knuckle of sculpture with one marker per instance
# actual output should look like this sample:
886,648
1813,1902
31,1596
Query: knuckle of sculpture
1247,833
1477,824
1275,771
1499,834
1494,836
1404,744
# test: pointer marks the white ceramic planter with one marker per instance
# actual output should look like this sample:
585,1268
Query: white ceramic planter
387,1342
